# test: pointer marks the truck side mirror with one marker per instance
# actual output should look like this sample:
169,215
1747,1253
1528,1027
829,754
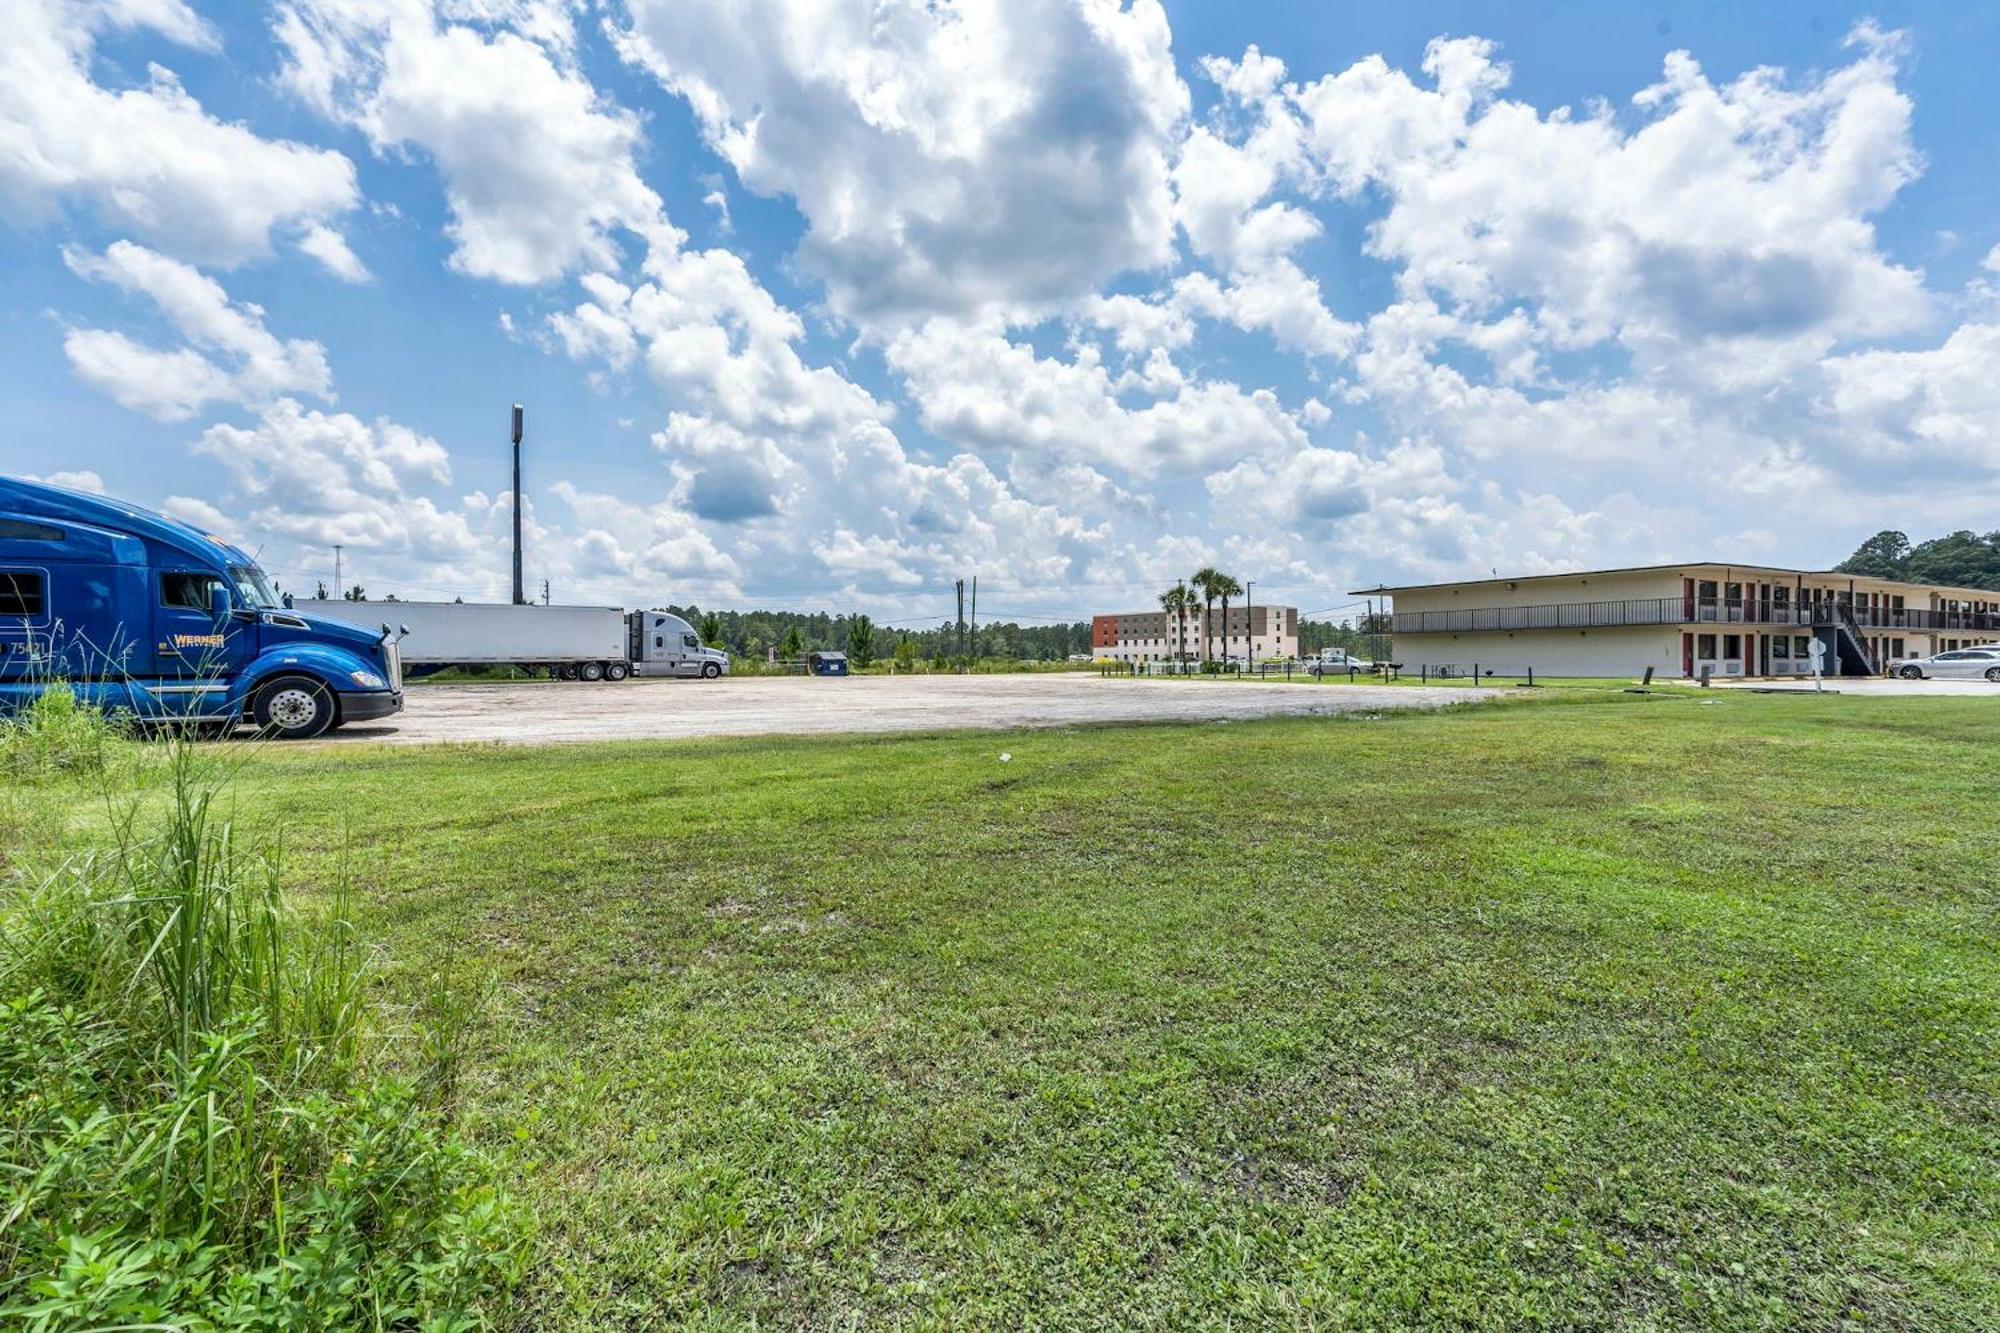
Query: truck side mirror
218,602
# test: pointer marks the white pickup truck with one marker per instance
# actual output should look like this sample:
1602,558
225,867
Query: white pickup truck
1335,662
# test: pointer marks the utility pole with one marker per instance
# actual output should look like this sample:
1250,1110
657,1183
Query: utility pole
545,592
975,615
958,626
1249,626
519,600
337,590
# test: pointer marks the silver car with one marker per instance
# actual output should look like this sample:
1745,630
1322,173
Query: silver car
1959,664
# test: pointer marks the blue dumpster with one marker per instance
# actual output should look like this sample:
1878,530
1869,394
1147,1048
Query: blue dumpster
827,664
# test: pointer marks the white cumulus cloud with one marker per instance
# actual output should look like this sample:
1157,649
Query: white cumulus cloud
231,356
948,157
147,158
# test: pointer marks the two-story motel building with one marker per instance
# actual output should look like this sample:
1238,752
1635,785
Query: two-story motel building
1256,632
1682,620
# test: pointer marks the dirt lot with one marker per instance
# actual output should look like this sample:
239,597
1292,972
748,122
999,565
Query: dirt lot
543,713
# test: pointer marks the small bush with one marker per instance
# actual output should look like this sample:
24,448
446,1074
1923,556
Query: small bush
58,735
199,1122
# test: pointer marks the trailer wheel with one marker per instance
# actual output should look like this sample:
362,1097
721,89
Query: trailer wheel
591,671
565,672
294,708
617,671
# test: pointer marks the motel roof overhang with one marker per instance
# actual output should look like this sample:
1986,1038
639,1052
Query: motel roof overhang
1691,566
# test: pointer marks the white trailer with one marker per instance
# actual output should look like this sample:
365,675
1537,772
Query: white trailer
569,642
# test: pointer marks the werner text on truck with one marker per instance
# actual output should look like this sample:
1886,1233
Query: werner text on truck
144,614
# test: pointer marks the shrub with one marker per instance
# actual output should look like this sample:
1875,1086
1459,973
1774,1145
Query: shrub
199,1120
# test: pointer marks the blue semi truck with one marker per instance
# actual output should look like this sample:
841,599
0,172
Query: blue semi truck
142,614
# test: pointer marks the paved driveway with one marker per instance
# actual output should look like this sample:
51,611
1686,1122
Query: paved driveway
535,713
1874,686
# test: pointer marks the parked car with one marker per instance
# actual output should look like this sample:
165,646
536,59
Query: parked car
1335,662
1959,664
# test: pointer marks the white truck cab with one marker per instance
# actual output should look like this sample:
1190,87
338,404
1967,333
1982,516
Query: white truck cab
663,644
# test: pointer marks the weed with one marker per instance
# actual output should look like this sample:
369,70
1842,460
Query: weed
198,1121
59,735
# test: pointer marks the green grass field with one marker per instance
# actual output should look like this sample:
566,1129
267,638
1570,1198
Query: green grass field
1590,1010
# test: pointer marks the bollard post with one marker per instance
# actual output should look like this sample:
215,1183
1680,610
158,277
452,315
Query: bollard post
1649,677
1531,677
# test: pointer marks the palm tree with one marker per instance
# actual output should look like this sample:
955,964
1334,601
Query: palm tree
1226,588
1206,579
1177,601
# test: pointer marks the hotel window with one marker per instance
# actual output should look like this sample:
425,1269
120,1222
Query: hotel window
1732,646
1781,647
1802,645
1705,647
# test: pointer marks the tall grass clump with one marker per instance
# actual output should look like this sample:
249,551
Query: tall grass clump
59,735
203,1121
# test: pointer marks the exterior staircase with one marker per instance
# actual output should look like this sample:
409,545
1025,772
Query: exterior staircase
1846,651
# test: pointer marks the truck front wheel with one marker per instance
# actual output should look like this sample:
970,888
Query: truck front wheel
710,670
294,708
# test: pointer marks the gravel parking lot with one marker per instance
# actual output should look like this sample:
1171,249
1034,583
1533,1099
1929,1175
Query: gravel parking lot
542,713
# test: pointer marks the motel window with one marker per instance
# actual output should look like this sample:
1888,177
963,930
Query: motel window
1705,647
1895,647
22,594
1802,645
1781,647
1732,645
1705,588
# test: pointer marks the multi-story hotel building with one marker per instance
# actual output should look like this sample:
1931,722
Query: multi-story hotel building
1259,632
1683,620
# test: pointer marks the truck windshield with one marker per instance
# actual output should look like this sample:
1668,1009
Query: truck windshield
251,588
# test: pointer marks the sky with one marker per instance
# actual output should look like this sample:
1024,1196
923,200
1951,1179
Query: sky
828,304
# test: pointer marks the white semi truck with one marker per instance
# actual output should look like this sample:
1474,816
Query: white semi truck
568,642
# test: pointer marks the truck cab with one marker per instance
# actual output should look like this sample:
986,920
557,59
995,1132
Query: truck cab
663,644
142,614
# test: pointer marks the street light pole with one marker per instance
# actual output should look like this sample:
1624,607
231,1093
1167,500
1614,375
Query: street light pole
519,598
1249,626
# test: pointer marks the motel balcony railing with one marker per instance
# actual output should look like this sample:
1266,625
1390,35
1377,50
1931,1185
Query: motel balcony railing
1686,611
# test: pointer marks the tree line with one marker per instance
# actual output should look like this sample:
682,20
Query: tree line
1961,559
794,633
